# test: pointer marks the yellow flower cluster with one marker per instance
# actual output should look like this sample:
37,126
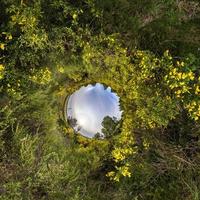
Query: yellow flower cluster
185,84
194,109
14,90
61,69
179,81
123,150
119,154
146,64
11,91
113,176
146,144
24,20
151,124
7,36
123,170
43,76
167,55
197,89
126,137
2,71
2,46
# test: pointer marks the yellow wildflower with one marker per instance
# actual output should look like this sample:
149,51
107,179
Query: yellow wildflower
42,77
1,71
110,174
61,69
125,171
191,75
116,178
184,76
10,37
179,75
2,46
197,90
118,155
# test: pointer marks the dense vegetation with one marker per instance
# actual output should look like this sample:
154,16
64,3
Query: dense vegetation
147,51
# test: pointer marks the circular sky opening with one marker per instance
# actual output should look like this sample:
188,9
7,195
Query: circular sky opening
90,108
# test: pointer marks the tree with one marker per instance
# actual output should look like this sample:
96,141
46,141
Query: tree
110,126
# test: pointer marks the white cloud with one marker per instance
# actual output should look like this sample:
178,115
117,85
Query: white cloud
89,105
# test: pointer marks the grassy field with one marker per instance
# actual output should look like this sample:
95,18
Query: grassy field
147,51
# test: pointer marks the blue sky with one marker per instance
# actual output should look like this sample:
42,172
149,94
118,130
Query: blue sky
89,105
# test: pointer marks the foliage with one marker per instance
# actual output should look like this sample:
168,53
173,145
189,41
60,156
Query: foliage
147,52
110,126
